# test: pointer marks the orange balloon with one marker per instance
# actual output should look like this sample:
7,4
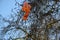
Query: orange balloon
25,16
26,8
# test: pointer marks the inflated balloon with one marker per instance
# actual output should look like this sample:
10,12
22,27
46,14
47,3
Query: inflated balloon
26,8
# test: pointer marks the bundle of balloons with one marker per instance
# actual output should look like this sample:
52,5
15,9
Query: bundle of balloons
26,8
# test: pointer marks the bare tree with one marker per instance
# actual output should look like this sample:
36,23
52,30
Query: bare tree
42,19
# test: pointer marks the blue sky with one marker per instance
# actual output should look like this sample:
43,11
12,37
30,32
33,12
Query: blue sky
6,6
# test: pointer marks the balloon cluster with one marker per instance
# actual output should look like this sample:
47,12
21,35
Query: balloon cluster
26,8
